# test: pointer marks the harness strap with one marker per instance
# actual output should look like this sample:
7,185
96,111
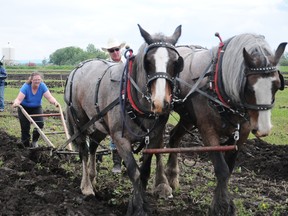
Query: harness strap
195,86
129,94
89,123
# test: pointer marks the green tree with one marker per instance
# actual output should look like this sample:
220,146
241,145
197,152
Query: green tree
74,55
66,56
44,62
284,59
92,52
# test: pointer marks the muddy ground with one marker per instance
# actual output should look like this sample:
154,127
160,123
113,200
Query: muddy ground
33,183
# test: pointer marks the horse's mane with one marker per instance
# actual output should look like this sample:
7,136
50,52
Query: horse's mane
233,61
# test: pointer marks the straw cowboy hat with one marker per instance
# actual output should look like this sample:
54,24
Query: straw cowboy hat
113,43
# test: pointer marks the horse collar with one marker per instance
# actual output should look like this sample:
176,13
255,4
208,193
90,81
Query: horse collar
217,84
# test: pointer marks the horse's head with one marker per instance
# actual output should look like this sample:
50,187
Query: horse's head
263,80
162,63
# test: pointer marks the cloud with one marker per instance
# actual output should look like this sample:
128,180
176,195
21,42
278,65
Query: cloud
38,28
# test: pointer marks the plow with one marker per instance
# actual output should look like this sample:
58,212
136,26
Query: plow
66,147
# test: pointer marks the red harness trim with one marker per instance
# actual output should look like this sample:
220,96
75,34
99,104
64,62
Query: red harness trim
221,45
129,87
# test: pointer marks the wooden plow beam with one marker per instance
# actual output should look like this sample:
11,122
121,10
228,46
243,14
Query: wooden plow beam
37,127
45,138
191,149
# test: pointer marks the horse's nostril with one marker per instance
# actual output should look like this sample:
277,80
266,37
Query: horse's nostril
166,105
153,105
254,131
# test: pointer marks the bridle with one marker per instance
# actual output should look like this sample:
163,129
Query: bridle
150,78
158,74
256,71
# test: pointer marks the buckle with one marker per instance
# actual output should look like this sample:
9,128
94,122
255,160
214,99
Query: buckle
131,114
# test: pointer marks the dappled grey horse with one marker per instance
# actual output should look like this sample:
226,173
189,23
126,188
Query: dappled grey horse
227,92
130,102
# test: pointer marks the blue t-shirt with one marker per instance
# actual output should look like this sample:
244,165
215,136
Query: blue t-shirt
33,100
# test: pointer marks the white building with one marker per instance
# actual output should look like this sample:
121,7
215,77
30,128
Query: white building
9,55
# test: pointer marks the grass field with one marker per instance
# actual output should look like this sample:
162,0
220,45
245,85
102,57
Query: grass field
279,133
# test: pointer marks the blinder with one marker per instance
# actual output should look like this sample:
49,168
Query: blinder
282,81
180,64
267,70
259,71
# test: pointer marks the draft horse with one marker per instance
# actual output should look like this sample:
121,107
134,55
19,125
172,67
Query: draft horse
227,92
131,103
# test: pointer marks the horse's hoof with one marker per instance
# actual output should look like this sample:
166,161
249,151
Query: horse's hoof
138,209
87,191
174,184
224,209
163,191
89,197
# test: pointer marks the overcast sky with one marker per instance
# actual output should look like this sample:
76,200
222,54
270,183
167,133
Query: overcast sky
35,28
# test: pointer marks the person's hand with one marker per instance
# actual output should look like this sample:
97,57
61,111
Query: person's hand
15,104
57,104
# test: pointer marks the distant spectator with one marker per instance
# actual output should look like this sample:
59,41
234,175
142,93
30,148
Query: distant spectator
3,76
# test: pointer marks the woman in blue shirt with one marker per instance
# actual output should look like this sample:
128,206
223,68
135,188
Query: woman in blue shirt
30,98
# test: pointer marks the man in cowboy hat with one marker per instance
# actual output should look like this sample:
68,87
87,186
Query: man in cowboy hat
114,47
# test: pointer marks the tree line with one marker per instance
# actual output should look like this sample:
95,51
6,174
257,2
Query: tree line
74,55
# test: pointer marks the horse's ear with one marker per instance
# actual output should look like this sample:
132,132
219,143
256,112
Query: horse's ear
180,64
248,59
145,35
279,52
176,34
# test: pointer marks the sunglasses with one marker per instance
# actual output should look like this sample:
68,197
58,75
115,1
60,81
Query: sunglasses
112,50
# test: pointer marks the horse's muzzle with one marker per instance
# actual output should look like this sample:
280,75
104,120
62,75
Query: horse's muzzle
259,134
160,107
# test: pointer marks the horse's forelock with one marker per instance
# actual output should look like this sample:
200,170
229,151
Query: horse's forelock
233,62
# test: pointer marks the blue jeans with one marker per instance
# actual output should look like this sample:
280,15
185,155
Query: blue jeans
112,145
2,87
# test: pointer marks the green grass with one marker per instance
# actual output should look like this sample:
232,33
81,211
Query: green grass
279,133
283,68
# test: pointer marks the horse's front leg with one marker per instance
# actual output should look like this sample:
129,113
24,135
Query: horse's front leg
222,203
137,204
172,167
161,184
231,156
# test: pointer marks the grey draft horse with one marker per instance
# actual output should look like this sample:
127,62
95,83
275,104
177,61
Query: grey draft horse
130,102
227,92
